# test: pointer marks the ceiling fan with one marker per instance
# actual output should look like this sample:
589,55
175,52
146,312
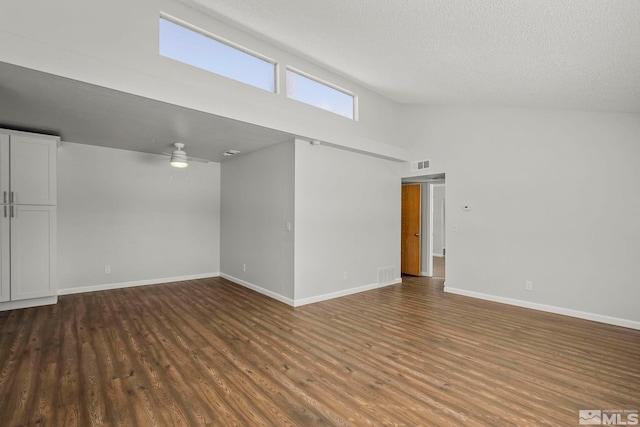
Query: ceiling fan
179,157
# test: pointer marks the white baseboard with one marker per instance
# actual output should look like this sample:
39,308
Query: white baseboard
259,289
548,308
26,303
438,255
331,295
309,300
109,286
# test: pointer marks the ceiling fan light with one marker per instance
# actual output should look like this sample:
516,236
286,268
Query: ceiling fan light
179,159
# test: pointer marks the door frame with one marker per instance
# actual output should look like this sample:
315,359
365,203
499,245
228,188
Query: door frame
429,244
420,230
426,242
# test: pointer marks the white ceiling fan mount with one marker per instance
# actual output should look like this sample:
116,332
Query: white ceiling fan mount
179,157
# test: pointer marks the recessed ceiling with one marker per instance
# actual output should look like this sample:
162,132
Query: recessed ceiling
560,54
88,114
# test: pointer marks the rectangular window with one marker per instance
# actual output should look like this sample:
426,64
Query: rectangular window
199,50
313,92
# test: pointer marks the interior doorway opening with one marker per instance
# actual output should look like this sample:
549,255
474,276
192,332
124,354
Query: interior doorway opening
432,234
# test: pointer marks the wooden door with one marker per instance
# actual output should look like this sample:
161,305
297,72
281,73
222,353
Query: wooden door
410,252
33,250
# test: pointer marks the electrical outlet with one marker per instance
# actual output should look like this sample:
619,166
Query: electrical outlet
528,285
244,268
107,269
345,275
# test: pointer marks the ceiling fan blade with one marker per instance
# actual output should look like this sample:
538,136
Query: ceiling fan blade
197,159
189,159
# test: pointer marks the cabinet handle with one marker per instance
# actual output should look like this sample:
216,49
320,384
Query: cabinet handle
5,211
11,197
12,213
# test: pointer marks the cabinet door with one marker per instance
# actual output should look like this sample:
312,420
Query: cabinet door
4,169
33,170
5,285
5,277
33,252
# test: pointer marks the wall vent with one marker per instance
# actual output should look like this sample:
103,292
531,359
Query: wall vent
420,165
386,274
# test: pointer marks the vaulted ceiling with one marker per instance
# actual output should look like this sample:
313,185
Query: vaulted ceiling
559,54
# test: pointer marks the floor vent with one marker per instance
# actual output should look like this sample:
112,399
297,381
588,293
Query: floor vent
386,274
420,165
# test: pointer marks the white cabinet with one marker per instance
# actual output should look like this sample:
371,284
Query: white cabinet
28,268
5,253
32,171
5,236
33,232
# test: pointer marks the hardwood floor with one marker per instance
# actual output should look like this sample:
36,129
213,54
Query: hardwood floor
208,352
438,267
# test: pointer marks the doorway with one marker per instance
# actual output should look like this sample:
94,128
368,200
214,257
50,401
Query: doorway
411,227
432,231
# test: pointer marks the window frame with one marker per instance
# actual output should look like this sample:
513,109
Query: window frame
186,25
354,96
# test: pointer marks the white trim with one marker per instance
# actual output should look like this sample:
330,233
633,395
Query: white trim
430,231
438,255
548,308
331,295
277,89
424,274
215,37
109,286
319,80
330,85
432,186
259,289
26,303
309,300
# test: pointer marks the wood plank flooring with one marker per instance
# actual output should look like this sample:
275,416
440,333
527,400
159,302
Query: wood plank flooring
438,267
209,352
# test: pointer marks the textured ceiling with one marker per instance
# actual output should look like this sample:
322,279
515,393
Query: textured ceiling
564,54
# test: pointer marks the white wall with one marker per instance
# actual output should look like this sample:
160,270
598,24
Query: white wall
115,44
347,209
134,212
257,204
554,198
